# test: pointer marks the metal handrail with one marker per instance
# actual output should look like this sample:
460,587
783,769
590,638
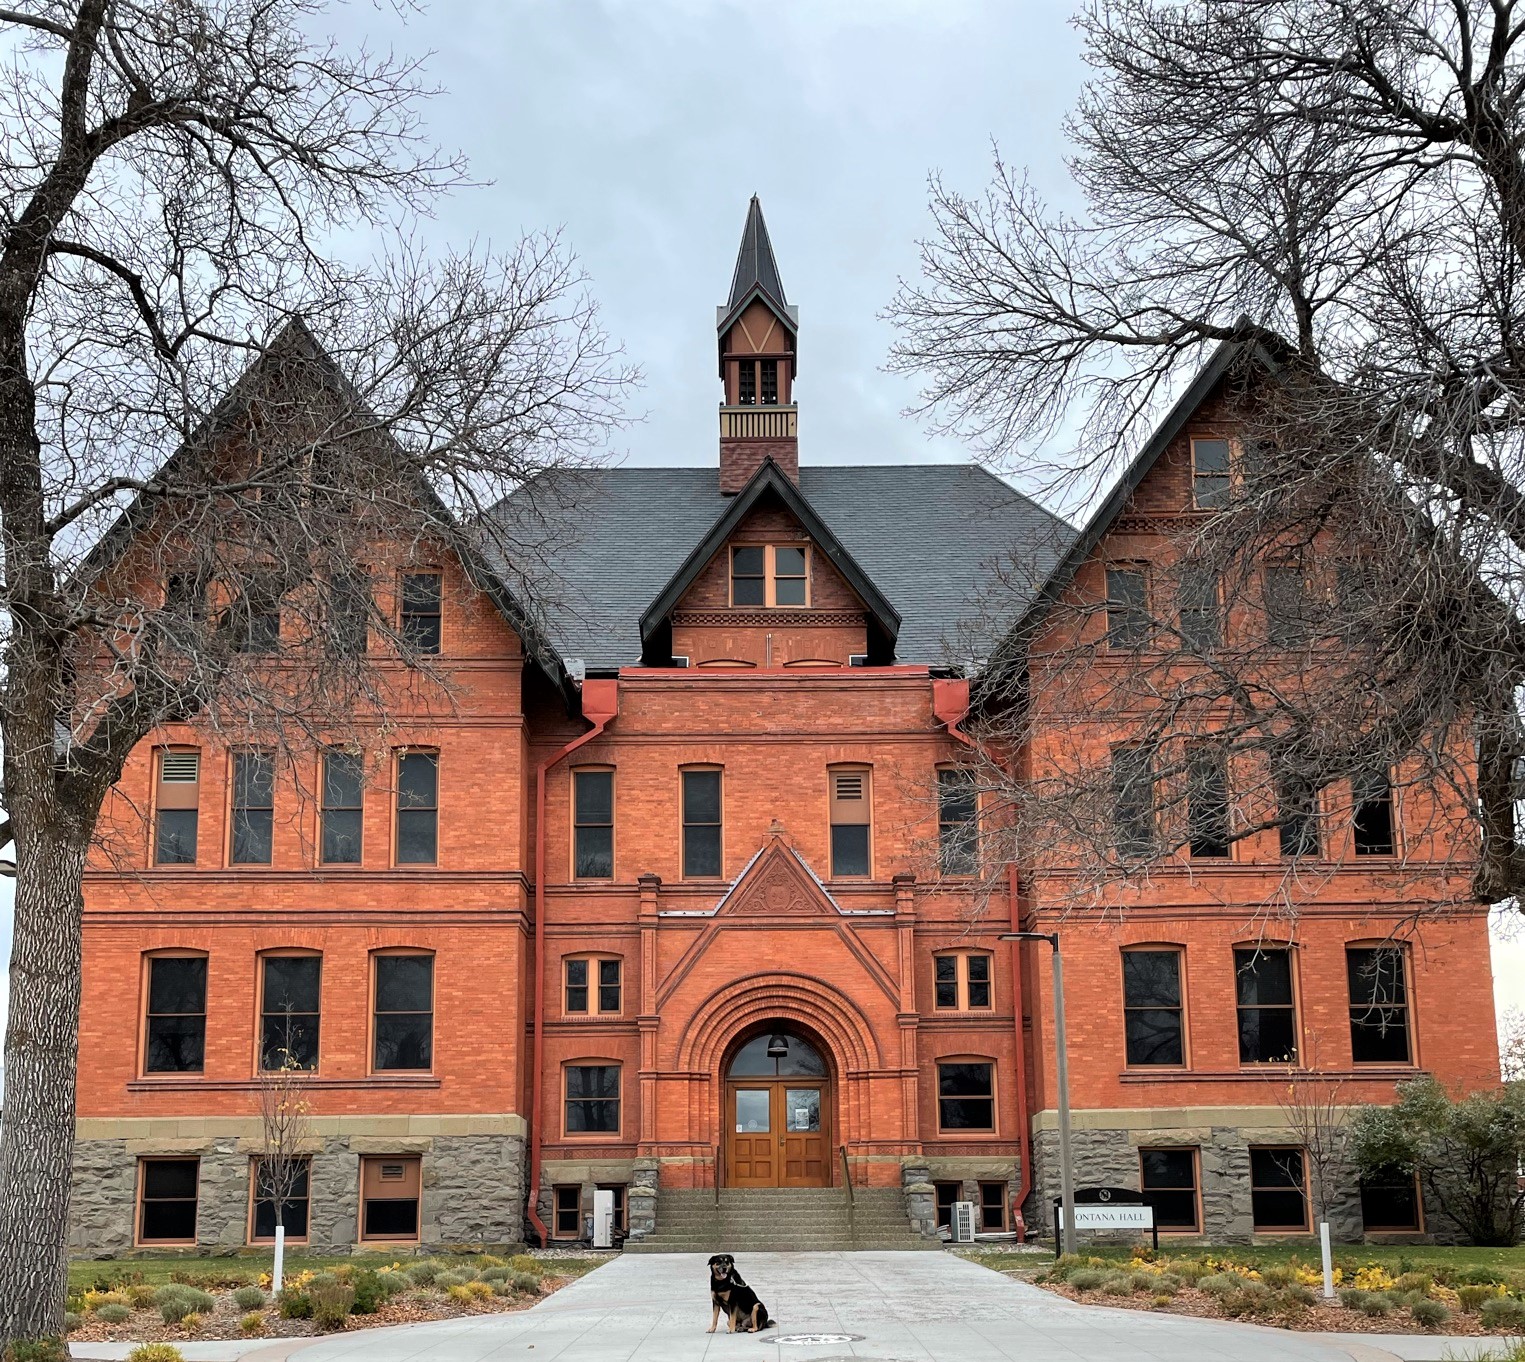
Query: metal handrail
717,1177
847,1180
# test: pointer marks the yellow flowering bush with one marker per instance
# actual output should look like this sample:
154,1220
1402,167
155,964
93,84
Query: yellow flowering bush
1374,1277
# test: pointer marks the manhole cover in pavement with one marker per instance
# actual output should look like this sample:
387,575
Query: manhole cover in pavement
810,1340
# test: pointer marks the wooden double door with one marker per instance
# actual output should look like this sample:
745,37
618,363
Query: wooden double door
778,1133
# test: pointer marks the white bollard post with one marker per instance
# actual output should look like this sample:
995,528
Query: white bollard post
1323,1238
280,1258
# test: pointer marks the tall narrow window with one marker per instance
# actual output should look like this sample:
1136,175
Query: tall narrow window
1133,802
1209,474
1278,1189
176,812
566,1217
993,1207
593,1099
849,823
1168,1180
253,822
289,1013
1152,1024
417,808
957,822
966,1095
294,1206
167,1200
701,825
1372,821
175,1036
343,777
1286,612
348,614
1297,816
789,580
593,825
421,611
255,619
961,981
1200,603
768,371
389,1197
404,1018
1379,1004
1267,1005
1127,607
746,383
1207,803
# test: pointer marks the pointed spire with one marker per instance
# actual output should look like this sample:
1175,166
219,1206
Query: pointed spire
755,265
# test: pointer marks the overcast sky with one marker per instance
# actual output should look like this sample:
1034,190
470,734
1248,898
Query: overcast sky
642,127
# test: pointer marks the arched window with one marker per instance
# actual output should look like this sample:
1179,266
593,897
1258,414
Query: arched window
777,1054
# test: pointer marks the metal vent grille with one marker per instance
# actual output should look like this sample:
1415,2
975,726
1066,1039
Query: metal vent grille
849,787
180,768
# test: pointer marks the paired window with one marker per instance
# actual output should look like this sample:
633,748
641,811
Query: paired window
253,820
1168,1181
167,1200
1207,818
1133,802
1278,1189
1210,471
961,981
403,1024
420,615
289,1013
294,1205
592,986
1199,602
770,574
1379,1012
966,1095
176,806
958,829
417,808
993,1207
1371,823
343,780
593,1099
850,805
175,1035
1127,607
1267,1005
389,1197
1390,1200
566,1211
757,381
1286,611
593,824
1153,1026
701,824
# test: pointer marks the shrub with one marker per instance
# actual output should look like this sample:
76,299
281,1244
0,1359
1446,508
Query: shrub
191,1323
72,1319
1063,1265
1278,1274
1479,1276
372,1290
1504,1314
111,1314
1167,1284
502,1273
38,1350
1082,1279
1376,1303
176,1301
252,1324
1296,1293
155,1352
140,1297
1162,1299
1220,1283
1245,1301
93,1300
1142,1281
294,1303
1352,1298
248,1298
1431,1314
424,1273
1192,1269
330,1303
527,1282
478,1291
454,1278
1472,1297
503,1288
1415,1281
525,1262
323,1279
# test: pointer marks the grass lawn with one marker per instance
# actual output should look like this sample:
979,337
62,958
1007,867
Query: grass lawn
1396,1258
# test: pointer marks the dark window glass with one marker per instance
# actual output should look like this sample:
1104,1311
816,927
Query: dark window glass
1278,1198
1267,1014
1133,801
256,620
849,823
1286,614
421,611
799,1060
1210,474
1372,821
1390,1200
404,1012
947,1193
749,575
175,840
1297,815
746,383
993,1207
568,1212
769,368
289,1011
1200,606
701,824
608,985
957,823
348,615
965,1097
177,798
391,1219
177,1014
621,1212
945,969
417,808
577,985
1168,1181
1127,609
1152,1007
593,1098
1207,803
253,808
593,825
343,777
788,575
293,1208
1379,1013
168,1209
849,849
1360,600
978,968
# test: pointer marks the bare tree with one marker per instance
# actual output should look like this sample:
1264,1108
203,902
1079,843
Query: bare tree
285,1128
1317,1113
219,445
1326,200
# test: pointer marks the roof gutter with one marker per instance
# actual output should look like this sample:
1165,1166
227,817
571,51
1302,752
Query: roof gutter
600,705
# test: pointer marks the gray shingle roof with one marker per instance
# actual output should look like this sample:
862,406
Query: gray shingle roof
957,552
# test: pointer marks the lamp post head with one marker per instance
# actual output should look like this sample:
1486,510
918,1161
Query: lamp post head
1051,937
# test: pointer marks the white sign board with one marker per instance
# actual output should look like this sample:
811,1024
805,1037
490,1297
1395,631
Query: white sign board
1101,1216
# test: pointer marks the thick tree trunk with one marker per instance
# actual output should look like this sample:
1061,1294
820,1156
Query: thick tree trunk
41,1058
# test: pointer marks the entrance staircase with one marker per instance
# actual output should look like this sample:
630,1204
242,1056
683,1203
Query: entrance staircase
780,1220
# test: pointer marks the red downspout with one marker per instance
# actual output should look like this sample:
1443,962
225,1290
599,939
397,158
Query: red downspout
950,703
600,704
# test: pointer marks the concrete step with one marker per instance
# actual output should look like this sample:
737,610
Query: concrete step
780,1219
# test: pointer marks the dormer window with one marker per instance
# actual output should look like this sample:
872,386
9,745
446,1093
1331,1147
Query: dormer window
757,380
770,575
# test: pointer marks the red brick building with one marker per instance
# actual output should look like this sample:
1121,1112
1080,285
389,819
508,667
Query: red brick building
679,898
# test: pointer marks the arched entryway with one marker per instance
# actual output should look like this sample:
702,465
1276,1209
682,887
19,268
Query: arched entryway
778,1112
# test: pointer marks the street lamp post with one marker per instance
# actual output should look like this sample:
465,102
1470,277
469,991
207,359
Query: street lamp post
1062,1072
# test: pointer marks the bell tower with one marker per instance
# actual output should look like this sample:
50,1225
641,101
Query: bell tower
757,332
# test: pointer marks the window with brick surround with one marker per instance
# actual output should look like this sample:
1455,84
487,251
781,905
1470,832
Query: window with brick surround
1371,823
1297,813
1133,819
1278,1189
403,1021
770,575
342,814
294,1208
1153,1024
592,1099
851,804
177,798
1199,602
290,986
1379,1006
417,808
167,1190
1168,1181
961,981
1286,606
1127,606
593,824
421,612
958,827
1210,471
593,985
390,1193
347,614
1267,1004
252,829
966,1095
176,1023
702,828
1207,804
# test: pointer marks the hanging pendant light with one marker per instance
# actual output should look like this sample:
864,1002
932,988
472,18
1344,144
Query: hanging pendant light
778,1045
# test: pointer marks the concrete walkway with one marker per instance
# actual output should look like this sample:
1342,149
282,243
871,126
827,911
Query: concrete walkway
889,1307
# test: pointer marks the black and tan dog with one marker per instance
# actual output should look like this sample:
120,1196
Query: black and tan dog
729,1292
